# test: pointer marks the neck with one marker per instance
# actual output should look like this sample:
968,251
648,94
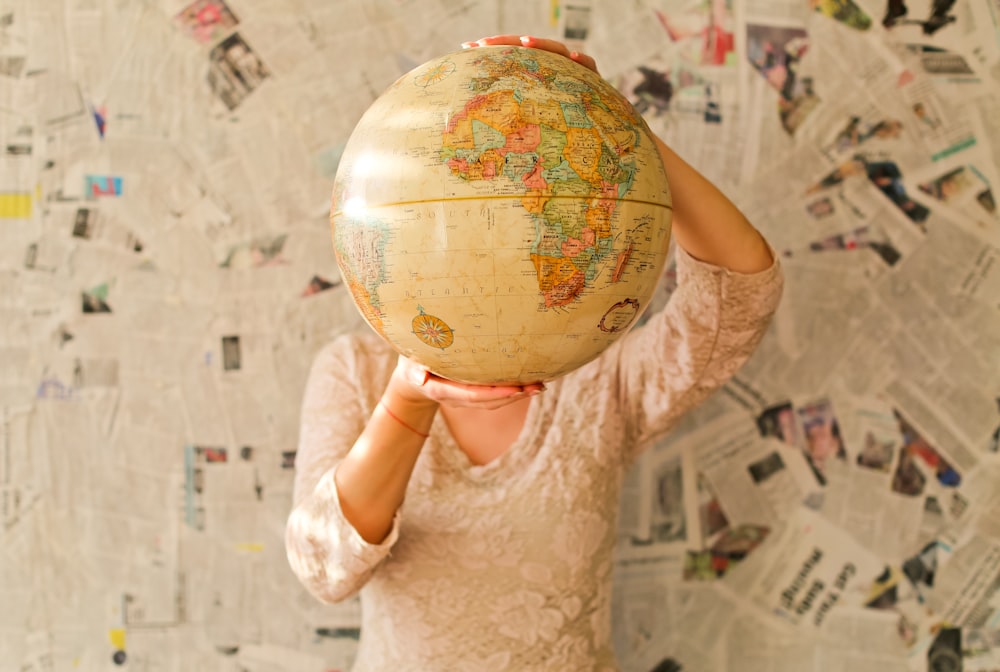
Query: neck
484,435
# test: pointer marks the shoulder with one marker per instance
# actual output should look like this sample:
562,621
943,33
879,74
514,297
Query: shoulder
360,357
714,299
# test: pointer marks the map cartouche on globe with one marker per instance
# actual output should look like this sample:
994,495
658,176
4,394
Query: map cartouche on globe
501,215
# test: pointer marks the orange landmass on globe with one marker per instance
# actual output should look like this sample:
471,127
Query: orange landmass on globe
524,139
499,110
561,144
534,179
363,301
559,280
623,137
583,152
600,211
534,201
622,261
543,112
572,247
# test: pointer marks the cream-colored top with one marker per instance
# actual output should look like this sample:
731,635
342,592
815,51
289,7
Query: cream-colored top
507,566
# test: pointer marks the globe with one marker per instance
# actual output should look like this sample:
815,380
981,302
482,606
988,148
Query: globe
501,215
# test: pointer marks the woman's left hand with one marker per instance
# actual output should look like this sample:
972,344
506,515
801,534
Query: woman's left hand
554,46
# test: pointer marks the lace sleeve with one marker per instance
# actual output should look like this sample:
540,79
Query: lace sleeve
709,328
324,550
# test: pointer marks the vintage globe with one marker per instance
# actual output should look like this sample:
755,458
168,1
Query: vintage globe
501,215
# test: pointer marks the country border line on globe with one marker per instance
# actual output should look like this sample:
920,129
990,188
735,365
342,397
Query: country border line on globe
497,197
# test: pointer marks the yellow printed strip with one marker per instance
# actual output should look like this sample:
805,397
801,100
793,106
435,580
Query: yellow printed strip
15,206
117,636
250,546
554,13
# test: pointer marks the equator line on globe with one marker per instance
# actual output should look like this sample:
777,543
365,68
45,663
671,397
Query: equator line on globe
501,215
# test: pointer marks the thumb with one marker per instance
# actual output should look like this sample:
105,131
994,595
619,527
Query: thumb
417,375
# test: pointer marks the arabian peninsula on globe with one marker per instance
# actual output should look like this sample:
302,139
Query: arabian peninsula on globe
501,215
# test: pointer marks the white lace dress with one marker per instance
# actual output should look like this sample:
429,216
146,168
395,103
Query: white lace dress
507,566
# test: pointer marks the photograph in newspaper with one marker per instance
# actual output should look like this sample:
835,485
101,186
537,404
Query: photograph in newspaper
886,175
319,284
230,355
823,441
780,422
776,53
710,514
844,11
673,89
257,253
576,20
84,222
668,522
206,20
235,71
918,461
706,32
657,520
857,131
95,300
876,453
964,182
728,549
961,188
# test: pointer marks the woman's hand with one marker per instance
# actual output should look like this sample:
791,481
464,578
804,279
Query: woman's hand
535,43
414,385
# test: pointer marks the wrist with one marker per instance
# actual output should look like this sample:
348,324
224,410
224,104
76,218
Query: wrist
405,397
415,413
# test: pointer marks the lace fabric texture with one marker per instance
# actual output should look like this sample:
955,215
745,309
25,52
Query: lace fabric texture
507,566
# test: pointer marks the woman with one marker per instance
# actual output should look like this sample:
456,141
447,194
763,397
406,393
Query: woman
501,556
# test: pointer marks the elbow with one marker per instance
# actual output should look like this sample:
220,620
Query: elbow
316,564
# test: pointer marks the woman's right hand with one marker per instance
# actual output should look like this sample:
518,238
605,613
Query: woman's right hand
554,46
412,383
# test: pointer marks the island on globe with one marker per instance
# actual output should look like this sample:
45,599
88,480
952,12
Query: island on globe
501,215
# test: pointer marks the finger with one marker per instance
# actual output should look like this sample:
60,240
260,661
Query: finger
494,41
493,404
554,46
446,391
584,60
501,40
450,390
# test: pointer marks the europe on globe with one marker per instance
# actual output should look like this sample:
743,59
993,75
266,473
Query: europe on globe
501,215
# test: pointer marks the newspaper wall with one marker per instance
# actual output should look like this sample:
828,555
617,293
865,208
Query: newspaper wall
165,167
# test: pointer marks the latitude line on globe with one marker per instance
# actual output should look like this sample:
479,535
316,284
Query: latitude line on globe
498,197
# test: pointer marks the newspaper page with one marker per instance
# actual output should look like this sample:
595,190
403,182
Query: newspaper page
810,567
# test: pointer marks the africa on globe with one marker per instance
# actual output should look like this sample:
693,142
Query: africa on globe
501,215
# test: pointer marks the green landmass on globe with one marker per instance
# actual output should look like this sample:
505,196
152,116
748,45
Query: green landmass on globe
501,215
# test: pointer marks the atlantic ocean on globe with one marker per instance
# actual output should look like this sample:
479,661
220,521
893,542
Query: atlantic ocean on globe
501,215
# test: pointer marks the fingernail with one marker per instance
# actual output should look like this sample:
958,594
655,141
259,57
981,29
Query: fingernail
418,377
535,393
466,45
574,54
526,38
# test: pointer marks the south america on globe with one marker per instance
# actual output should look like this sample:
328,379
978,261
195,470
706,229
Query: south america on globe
501,215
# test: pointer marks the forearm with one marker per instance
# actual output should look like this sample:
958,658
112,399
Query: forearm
372,478
707,224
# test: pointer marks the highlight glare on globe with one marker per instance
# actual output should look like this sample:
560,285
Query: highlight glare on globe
501,215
